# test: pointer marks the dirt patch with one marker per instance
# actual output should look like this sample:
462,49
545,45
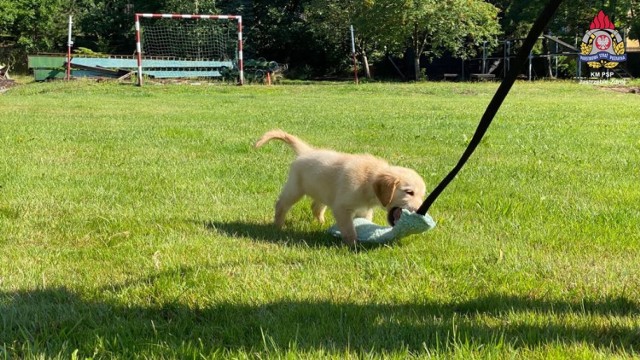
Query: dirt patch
623,89
6,85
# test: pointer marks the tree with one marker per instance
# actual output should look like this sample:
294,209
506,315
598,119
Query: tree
424,27
28,26
456,26
331,21
281,30
7,41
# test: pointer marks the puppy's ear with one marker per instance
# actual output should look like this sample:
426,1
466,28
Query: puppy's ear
385,187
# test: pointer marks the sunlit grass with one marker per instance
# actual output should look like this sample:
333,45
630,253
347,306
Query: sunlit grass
135,222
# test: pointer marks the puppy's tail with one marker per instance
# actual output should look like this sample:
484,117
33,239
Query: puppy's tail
299,146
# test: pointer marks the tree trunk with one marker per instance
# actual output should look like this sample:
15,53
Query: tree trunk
365,61
415,67
412,64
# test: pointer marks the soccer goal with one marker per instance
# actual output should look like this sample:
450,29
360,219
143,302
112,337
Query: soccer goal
189,46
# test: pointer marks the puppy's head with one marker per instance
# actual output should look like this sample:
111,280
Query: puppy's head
399,188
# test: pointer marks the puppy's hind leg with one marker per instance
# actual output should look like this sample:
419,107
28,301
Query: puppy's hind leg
290,194
318,209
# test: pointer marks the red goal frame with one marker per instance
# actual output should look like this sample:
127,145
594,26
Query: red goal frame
238,18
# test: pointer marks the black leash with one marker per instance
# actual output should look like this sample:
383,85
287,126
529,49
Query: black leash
494,105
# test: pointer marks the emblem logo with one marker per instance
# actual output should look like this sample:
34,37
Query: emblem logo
602,45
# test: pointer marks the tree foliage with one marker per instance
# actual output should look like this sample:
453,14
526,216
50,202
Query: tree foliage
426,27
29,26
573,17
457,26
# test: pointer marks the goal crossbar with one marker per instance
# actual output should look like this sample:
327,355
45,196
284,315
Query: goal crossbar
237,18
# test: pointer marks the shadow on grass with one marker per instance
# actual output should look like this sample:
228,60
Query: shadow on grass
269,233
288,237
56,321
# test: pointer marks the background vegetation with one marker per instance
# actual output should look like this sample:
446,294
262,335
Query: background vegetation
312,36
136,223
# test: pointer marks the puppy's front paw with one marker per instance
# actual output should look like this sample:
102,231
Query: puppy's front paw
351,242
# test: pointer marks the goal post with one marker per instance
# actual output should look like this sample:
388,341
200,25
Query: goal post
194,48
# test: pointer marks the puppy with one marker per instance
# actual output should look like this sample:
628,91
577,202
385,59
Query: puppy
350,185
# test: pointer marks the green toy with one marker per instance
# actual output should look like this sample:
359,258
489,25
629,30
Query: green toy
409,223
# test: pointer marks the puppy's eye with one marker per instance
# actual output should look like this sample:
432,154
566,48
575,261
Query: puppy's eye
409,192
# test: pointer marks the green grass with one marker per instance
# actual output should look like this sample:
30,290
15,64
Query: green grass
135,223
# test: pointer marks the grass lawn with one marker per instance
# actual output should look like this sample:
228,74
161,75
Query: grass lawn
136,223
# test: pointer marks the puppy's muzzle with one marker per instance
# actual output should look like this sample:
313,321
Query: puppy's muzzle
393,215
395,212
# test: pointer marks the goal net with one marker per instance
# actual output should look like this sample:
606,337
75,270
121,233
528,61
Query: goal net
187,46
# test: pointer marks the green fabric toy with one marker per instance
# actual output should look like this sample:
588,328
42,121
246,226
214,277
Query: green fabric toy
409,223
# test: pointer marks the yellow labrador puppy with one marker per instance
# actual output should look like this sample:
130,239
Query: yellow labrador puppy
352,185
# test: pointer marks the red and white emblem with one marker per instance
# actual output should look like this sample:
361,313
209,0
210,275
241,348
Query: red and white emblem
602,45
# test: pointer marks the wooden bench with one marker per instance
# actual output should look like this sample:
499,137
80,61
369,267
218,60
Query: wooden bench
483,77
450,77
